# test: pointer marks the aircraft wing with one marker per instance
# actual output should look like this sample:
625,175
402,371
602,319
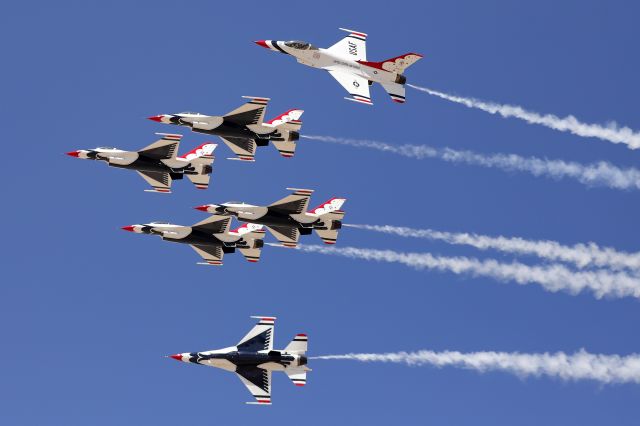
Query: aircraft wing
212,255
161,182
245,149
250,113
260,337
353,46
295,203
258,381
288,236
215,224
358,87
162,149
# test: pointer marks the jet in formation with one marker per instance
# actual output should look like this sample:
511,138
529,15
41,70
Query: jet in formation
347,62
253,359
158,163
244,128
210,238
288,218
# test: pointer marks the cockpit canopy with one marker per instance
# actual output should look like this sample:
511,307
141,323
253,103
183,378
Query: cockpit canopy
301,45
159,223
107,148
234,202
189,113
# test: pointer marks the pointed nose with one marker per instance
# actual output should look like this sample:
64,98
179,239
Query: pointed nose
203,208
157,118
129,228
177,357
262,43
73,153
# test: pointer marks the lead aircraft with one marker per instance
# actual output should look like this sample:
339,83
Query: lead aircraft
159,163
347,62
253,359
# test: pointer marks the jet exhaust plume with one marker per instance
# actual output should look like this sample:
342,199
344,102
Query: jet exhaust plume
601,173
577,366
551,277
611,132
581,255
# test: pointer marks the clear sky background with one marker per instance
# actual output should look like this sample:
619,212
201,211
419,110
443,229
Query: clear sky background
88,311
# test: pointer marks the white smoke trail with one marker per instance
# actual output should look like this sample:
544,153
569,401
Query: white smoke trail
581,255
611,132
601,173
578,366
552,277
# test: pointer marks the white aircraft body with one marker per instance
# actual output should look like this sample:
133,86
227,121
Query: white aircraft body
347,62
253,359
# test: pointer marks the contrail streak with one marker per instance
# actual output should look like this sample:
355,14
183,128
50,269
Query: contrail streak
611,132
552,277
601,173
578,366
581,255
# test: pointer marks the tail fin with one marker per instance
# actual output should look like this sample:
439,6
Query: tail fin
287,125
298,345
330,206
202,153
397,64
331,216
200,158
253,234
289,120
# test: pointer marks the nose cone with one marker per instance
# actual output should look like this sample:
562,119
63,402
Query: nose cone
129,228
73,154
203,208
262,43
177,357
157,118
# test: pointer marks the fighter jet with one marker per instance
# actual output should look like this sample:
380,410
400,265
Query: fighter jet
287,218
253,359
211,238
158,163
244,128
347,62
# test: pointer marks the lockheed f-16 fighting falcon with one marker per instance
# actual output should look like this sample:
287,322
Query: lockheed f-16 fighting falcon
244,128
347,62
253,359
287,218
158,163
211,238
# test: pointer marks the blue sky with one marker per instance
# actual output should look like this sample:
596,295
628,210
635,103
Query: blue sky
88,311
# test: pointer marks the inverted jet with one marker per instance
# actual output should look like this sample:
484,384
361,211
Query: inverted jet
158,163
346,61
244,128
253,359
288,218
211,238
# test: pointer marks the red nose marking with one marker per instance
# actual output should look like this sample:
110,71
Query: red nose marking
262,43
201,208
177,357
128,228
157,118
73,153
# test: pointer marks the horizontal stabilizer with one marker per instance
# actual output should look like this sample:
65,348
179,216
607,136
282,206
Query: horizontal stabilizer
396,91
298,344
297,375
